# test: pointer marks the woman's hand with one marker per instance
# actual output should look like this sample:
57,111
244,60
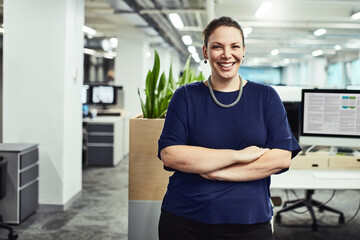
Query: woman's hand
250,154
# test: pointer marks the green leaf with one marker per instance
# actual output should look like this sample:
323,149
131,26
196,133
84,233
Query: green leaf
142,105
162,86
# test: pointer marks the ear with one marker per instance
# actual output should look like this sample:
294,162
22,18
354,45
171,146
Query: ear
204,52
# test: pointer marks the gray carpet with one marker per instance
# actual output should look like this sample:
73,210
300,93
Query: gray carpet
101,213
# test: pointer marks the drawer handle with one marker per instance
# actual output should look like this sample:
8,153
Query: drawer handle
315,165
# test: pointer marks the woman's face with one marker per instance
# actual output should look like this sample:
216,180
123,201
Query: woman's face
225,52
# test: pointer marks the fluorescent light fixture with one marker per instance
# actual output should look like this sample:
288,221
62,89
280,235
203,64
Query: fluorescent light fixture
286,61
1,30
114,42
355,16
320,32
337,47
89,51
247,31
176,20
196,57
317,53
256,60
274,52
88,30
187,39
191,49
148,54
263,9
275,65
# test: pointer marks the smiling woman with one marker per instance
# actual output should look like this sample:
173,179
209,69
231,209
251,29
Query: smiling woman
223,138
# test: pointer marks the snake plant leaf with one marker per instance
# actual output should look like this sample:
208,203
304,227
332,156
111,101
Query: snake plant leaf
162,86
143,108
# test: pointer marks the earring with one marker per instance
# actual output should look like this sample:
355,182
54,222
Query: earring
205,61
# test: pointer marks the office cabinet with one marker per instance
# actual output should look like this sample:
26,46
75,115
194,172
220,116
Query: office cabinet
22,195
104,140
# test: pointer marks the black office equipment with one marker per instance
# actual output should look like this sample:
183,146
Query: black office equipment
22,187
326,113
293,111
103,95
3,178
330,113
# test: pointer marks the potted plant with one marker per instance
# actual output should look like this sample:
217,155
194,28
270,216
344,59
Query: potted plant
147,178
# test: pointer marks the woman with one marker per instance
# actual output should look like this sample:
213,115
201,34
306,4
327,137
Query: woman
223,137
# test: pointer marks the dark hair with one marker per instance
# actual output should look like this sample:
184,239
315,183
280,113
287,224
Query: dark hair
218,22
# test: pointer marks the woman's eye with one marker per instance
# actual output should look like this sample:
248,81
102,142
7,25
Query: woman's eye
236,46
215,47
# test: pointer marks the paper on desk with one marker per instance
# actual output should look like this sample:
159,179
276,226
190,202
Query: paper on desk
339,175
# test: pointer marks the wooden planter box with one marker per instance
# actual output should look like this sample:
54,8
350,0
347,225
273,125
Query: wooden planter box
147,178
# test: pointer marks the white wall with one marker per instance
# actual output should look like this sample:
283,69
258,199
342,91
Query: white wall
131,66
41,101
167,56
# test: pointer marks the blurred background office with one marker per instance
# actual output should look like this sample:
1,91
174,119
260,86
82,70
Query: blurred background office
56,54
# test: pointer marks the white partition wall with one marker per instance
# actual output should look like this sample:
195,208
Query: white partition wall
42,78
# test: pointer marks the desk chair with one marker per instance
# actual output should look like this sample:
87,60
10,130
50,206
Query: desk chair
3,179
309,203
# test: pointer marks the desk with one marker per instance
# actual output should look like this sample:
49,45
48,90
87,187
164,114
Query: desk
105,139
326,172
307,179
23,181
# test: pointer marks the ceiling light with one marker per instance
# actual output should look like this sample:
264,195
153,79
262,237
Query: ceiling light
148,54
286,61
114,42
89,51
196,57
320,32
355,16
192,49
317,53
337,47
247,31
274,52
88,30
176,20
187,39
263,9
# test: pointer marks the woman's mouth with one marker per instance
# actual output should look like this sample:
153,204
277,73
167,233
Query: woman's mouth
226,65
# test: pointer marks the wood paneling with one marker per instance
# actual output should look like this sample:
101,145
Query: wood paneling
147,178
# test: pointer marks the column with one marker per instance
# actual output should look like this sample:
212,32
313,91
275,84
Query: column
43,72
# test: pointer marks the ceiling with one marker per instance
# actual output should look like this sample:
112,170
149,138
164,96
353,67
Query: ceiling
287,27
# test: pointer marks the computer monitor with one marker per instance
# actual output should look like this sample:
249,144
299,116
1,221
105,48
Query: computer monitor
103,95
293,111
330,117
85,94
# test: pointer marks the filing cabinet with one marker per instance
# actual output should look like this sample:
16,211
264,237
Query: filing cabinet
22,189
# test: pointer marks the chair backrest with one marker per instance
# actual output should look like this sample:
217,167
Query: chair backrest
3,176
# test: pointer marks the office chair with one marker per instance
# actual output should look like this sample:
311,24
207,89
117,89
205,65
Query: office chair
3,179
309,203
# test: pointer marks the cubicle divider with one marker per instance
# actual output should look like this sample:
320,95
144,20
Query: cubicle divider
147,178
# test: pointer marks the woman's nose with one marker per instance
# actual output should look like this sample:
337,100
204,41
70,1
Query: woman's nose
226,53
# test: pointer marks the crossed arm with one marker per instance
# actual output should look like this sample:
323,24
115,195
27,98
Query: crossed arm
248,164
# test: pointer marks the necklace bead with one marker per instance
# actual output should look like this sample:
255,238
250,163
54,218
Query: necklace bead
219,103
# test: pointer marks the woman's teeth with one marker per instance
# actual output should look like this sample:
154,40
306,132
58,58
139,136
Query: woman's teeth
226,65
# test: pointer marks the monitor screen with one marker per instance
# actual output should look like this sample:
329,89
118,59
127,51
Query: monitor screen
103,95
331,112
85,94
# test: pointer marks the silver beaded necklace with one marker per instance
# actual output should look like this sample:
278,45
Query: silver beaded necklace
219,103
